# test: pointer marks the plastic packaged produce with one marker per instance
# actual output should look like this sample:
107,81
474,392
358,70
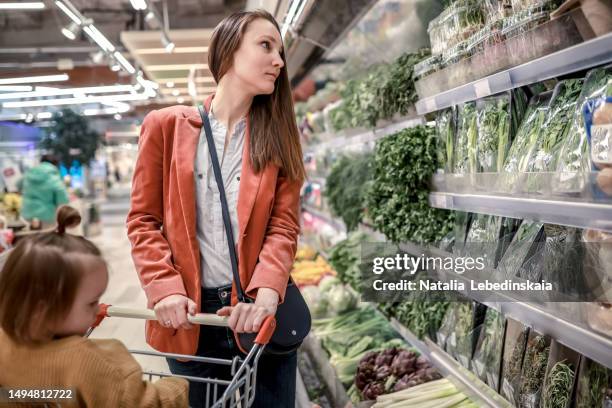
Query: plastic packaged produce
446,327
517,251
574,159
594,382
524,143
445,131
514,351
552,134
488,355
534,368
469,316
467,139
558,387
493,132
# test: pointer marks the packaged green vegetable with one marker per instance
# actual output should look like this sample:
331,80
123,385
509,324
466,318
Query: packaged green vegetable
514,351
466,143
558,388
593,383
524,143
518,250
552,135
534,368
488,355
574,159
493,132
446,327
469,316
445,132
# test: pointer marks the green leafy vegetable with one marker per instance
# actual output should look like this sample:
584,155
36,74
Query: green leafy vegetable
558,387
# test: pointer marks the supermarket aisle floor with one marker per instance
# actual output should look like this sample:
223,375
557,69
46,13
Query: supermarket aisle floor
123,287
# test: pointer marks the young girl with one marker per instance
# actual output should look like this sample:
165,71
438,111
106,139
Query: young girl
50,287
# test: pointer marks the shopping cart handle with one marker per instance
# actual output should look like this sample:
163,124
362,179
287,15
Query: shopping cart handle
207,319
266,331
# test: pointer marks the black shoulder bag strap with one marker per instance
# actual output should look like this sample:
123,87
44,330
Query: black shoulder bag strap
293,318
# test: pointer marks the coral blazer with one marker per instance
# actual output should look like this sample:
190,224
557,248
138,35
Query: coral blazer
161,223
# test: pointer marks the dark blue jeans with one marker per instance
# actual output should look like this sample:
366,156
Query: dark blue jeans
275,374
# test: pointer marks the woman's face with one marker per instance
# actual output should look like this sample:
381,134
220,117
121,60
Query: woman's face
257,61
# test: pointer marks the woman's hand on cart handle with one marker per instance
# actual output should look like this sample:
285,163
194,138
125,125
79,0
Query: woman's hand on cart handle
172,311
249,317
207,319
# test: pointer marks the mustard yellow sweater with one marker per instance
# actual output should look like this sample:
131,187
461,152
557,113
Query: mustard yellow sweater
103,373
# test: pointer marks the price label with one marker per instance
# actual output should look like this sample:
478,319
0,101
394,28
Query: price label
482,88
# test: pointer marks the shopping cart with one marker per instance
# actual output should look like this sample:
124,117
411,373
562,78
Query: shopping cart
239,392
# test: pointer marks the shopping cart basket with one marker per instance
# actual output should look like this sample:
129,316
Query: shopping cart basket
238,392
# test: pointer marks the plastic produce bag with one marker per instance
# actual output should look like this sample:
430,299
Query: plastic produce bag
466,143
552,134
594,382
488,355
469,316
573,159
446,327
462,227
524,143
514,351
518,250
445,132
534,368
493,132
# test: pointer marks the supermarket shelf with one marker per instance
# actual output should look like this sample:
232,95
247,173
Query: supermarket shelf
571,213
368,136
464,379
582,56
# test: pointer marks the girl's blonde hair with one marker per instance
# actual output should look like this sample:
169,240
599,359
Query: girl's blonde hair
41,277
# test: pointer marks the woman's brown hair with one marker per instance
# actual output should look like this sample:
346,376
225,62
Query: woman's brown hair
274,133
41,276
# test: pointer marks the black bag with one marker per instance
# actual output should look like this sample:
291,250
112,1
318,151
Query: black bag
292,316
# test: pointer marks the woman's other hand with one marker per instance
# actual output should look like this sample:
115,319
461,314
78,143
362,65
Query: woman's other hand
172,311
248,317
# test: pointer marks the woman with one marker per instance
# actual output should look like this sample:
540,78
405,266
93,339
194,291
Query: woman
175,224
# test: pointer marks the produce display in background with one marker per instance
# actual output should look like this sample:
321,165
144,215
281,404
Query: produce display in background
345,257
346,187
574,154
517,251
488,355
493,132
422,317
347,337
552,134
435,394
305,253
514,351
558,388
384,91
594,383
392,370
308,272
398,198
534,369
467,139
597,115
468,318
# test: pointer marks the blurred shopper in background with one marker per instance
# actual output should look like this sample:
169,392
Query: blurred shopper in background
43,192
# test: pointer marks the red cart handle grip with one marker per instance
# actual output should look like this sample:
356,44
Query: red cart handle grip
266,331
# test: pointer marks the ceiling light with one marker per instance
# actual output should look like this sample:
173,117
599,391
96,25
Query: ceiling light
168,45
124,62
117,116
139,4
44,115
31,5
11,116
29,118
170,84
176,92
174,67
77,101
93,112
180,99
177,50
41,78
152,20
16,88
67,91
71,31
115,67
98,57
68,12
99,38
146,83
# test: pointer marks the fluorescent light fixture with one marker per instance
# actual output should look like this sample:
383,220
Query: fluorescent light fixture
77,101
139,4
115,67
98,57
180,99
99,38
44,115
177,50
173,67
170,84
117,116
290,16
146,83
68,12
176,92
31,5
124,62
67,91
31,79
15,88
94,112
120,106
71,31
11,116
